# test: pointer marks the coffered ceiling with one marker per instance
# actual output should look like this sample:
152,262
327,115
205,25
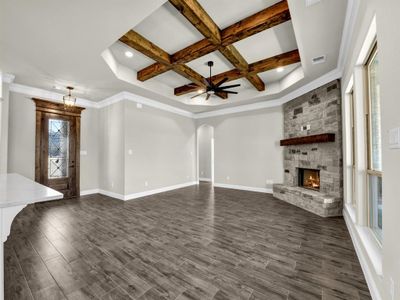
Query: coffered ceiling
85,50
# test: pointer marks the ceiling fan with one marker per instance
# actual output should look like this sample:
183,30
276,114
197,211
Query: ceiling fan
215,89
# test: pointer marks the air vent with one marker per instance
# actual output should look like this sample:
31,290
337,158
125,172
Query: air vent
319,59
311,2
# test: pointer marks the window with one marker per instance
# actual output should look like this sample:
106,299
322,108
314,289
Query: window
353,151
58,148
374,140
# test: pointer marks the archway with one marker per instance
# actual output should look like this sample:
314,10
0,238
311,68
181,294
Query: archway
205,153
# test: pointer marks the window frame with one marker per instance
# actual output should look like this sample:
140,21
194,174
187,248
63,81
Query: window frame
370,171
353,145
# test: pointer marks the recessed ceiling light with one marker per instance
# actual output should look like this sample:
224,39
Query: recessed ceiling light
128,54
280,69
57,87
200,91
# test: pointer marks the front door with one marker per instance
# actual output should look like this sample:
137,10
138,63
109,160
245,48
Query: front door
57,148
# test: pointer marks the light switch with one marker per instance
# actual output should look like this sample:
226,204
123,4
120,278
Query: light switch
130,152
139,105
83,152
394,138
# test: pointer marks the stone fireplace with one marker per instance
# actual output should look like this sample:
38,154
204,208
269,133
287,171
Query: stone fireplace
313,148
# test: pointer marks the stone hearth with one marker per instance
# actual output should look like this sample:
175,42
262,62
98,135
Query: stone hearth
320,110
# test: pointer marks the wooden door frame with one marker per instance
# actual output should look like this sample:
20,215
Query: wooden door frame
44,107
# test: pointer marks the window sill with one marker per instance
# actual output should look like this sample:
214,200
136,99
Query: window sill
364,239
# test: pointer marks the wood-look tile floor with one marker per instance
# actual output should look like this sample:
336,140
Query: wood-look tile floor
191,243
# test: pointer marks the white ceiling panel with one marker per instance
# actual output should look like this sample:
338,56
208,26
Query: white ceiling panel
268,43
170,79
168,29
273,75
221,64
227,12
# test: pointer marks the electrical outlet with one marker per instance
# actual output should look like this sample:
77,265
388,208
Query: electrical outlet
83,152
139,105
112,184
269,182
146,183
394,138
130,151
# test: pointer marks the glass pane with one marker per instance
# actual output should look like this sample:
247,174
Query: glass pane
375,119
58,148
375,199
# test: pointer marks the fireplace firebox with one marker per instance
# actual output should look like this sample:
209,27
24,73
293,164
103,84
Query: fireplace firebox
309,178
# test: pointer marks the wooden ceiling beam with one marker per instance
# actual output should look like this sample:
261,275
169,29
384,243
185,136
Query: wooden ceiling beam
267,18
196,15
264,65
140,43
143,45
238,61
199,18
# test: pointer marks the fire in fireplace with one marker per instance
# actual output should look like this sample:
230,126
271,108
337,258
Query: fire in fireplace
309,178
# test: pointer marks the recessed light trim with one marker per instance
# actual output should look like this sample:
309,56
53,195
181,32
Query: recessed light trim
128,54
280,69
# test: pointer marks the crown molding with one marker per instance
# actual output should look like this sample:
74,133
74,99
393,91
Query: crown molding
328,77
46,95
145,101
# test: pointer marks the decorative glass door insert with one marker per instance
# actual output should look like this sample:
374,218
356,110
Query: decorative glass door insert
58,152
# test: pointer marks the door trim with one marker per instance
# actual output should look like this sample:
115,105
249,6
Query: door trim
43,108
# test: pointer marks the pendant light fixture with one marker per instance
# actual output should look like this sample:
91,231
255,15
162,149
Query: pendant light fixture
69,100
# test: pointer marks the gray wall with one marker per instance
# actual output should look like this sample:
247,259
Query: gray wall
162,147
21,141
246,147
205,134
111,150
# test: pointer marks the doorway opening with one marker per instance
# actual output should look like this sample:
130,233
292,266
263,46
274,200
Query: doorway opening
58,147
205,153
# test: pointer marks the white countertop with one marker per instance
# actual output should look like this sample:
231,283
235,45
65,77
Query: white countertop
16,190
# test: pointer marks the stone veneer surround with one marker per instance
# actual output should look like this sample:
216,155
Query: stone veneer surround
321,109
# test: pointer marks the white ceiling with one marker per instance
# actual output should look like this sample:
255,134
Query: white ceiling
44,46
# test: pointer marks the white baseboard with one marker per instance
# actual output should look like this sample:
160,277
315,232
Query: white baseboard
137,195
244,188
205,179
160,190
89,192
112,194
367,270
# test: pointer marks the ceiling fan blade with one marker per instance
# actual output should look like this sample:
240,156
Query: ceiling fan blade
231,92
197,95
229,86
221,82
221,95
208,96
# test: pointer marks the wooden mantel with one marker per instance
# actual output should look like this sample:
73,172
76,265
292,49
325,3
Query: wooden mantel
309,139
